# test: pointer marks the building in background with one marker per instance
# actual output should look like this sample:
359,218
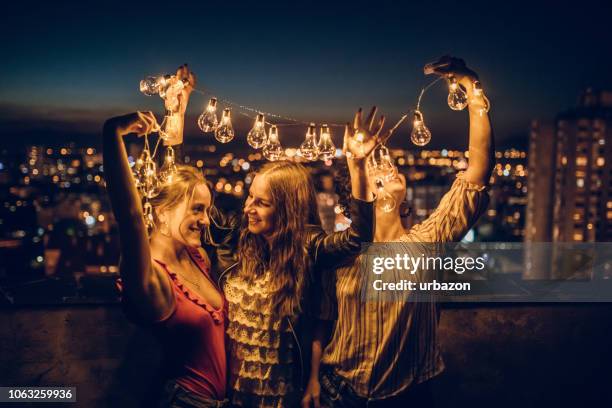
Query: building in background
570,182
583,187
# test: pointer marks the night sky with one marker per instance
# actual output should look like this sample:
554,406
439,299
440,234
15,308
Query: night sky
68,66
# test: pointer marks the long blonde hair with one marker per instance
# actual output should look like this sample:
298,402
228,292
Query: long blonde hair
182,187
294,198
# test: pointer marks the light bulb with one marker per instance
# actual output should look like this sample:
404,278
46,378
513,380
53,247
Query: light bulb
168,170
308,148
273,150
208,119
150,185
147,212
225,132
326,147
150,86
137,170
420,135
479,93
257,137
380,164
171,127
384,200
457,98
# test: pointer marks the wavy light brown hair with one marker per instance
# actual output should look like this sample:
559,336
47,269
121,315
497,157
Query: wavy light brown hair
294,198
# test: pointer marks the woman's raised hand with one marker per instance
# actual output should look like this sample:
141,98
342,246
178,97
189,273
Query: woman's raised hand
361,137
140,123
448,66
189,80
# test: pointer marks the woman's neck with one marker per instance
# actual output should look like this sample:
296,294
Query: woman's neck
167,249
389,226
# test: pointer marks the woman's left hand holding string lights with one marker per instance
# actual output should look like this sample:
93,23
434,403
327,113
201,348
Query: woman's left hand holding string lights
139,123
176,105
481,141
189,80
459,75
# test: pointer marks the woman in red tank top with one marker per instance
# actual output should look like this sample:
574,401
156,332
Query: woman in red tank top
165,276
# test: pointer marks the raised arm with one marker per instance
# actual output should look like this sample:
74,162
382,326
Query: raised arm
481,147
360,138
146,290
467,199
482,150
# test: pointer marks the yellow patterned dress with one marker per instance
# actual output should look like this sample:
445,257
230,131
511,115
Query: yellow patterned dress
262,363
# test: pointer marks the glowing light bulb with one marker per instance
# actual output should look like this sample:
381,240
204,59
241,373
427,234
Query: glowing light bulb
138,165
273,150
208,121
257,137
150,185
168,170
384,200
420,135
225,132
380,165
150,86
326,147
137,170
479,94
171,128
147,210
457,98
308,148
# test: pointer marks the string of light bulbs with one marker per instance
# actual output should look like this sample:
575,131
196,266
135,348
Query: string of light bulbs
379,164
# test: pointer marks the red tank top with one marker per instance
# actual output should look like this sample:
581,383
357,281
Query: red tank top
193,339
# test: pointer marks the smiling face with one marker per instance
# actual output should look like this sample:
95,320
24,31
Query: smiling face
186,221
259,207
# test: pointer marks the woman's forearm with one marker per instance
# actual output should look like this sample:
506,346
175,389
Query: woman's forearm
481,146
127,209
360,188
119,180
320,340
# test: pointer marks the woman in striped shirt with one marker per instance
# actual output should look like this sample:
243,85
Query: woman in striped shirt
382,353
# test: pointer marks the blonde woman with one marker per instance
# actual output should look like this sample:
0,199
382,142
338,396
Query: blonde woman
166,283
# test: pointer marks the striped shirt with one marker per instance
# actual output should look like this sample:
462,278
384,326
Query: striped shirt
382,347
